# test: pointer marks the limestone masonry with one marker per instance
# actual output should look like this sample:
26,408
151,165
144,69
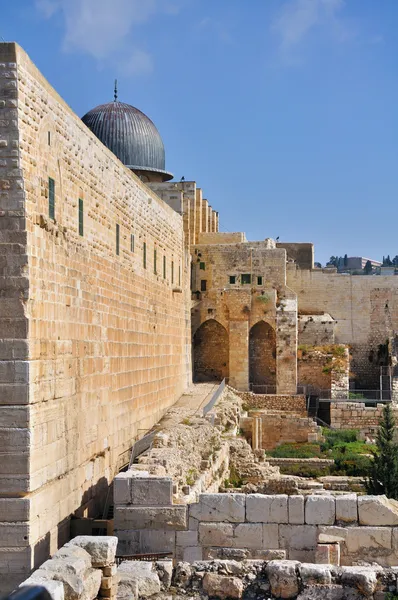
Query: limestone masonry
117,291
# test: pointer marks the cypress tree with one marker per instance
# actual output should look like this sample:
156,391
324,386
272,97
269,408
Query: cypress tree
383,472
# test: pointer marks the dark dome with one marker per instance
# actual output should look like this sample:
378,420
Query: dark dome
129,134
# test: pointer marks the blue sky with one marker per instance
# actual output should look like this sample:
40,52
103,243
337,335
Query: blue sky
285,112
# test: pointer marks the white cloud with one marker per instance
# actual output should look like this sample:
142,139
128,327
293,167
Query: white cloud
300,17
103,28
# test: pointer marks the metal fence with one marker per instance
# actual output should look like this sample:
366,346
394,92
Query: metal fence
262,389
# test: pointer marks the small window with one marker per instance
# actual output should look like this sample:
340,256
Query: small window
164,267
232,279
155,261
144,255
172,271
117,239
203,284
51,198
49,137
246,278
259,280
202,266
132,242
81,217
179,274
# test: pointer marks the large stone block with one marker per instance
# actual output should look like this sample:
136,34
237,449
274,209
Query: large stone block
296,510
216,534
282,575
320,510
248,535
377,510
358,539
267,509
362,578
187,538
315,574
347,508
139,575
270,536
228,508
151,517
101,548
154,541
220,586
139,488
297,537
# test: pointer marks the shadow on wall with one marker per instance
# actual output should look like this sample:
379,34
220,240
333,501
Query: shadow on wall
211,352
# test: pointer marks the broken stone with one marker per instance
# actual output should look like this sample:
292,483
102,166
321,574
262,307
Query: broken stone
101,548
315,574
283,578
220,586
142,573
377,510
362,578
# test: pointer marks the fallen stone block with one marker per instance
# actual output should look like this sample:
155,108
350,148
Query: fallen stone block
267,509
220,586
151,517
315,574
101,548
227,508
377,510
76,587
347,508
282,575
320,510
362,578
143,573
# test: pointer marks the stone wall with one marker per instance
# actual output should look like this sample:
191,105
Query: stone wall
221,237
281,402
95,344
365,309
250,525
315,330
221,579
301,253
278,428
355,415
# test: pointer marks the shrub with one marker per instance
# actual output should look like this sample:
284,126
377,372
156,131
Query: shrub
305,471
338,436
296,450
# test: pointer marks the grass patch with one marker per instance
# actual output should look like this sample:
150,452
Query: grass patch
296,450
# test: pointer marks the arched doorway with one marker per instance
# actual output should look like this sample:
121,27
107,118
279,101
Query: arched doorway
262,355
210,352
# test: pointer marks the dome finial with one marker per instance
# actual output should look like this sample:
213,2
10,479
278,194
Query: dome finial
115,92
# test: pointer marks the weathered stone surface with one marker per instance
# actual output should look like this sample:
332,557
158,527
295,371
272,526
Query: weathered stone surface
362,578
267,509
283,578
143,573
248,535
127,588
326,592
151,517
156,540
227,508
270,536
358,539
216,534
83,586
182,574
320,510
347,508
164,569
377,510
101,548
296,510
315,574
187,538
332,535
219,586
297,537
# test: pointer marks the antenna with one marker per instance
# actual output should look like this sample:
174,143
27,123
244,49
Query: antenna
115,92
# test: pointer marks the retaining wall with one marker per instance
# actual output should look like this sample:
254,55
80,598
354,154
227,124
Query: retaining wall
250,525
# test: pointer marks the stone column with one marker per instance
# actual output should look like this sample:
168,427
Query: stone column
239,355
286,344
205,216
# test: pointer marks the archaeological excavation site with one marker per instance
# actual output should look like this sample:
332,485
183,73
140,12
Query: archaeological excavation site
183,413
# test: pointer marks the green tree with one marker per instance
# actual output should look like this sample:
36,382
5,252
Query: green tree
345,260
383,471
395,260
368,268
387,262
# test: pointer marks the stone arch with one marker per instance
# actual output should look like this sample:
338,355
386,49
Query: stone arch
262,354
210,352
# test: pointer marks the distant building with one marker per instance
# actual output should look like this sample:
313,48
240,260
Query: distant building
359,262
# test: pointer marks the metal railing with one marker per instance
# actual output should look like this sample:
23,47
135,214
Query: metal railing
355,396
141,446
214,398
262,388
